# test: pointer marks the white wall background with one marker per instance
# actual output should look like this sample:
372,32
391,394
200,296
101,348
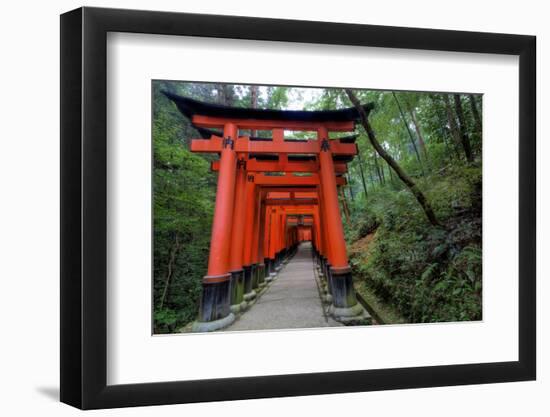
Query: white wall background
29,225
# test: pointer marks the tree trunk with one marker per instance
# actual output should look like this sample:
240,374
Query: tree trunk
452,122
173,253
253,102
351,194
418,194
377,168
226,94
463,129
370,172
221,94
448,150
391,175
412,112
408,129
344,205
477,118
446,133
362,173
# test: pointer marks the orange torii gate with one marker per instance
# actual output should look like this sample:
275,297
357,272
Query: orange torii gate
252,233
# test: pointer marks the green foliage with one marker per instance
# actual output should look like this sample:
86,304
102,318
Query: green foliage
184,195
427,273
166,321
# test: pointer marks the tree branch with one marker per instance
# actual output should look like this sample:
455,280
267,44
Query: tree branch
411,185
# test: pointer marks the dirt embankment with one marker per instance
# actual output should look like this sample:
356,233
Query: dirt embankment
381,312
360,247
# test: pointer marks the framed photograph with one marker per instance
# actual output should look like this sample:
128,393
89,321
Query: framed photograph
257,208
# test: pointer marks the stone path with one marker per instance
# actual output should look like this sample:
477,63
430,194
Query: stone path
290,302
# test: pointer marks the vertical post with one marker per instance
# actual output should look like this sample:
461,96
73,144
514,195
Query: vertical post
279,238
245,237
256,254
282,237
261,247
272,242
326,242
317,228
214,312
238,273
268,217
324,259
250,220
344,302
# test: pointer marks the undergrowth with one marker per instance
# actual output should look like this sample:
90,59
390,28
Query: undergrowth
428,274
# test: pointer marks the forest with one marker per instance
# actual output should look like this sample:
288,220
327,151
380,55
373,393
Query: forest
412,209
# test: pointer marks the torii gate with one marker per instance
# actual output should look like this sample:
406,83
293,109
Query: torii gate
250,234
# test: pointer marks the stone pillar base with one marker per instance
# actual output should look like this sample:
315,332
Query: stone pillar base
341,287
348,315
345,308
266,267
237,289
328,276
249,296
248,282
210,326
260,273
254,276
239,308
215,298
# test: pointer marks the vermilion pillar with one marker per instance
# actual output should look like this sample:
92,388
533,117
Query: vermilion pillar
266,236
250,217
261,247
256,254
246,238
338,256
238,274
344,301
280,237
272,240
281,226
215,310
325,242
317,228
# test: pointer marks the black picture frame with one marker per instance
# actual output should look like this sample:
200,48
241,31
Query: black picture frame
84,207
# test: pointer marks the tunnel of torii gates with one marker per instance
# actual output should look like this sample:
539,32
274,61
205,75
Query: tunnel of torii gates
272,194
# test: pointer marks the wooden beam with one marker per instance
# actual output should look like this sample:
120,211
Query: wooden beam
255,124
244,145
286,180
298,210
292,194
267,189
290,202
290,180
253,165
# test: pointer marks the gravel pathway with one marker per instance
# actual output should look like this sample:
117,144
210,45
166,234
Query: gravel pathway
290,302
